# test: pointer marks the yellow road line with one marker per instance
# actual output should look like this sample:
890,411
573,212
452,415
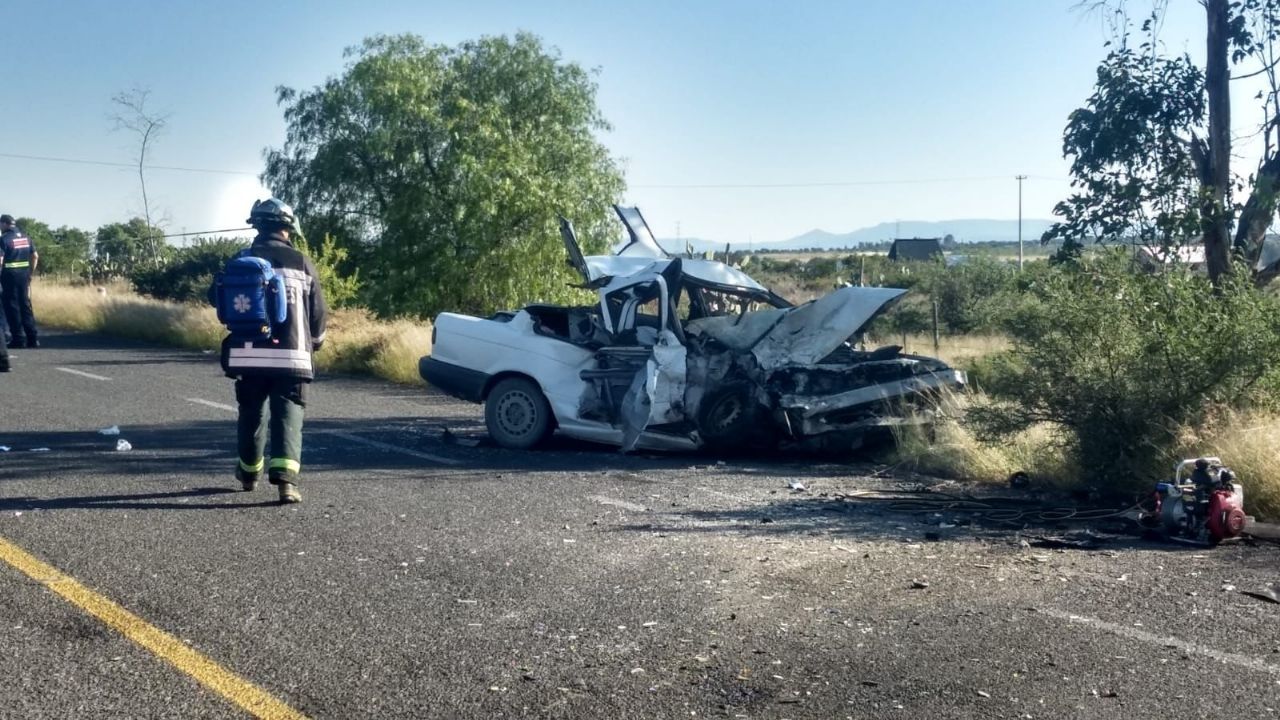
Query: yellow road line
250,697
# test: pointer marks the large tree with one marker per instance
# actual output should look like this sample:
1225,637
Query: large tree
63,251
443,169
120,247
1151,149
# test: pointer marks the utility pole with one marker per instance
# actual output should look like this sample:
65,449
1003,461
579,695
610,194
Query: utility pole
1020,179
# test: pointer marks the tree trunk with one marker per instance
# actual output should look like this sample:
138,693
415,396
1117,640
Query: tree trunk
1256,217
1216,220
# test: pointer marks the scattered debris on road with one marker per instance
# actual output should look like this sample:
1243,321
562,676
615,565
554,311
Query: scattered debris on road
1076,541
113,430
123,445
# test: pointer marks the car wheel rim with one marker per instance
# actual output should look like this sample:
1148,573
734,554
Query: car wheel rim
517,414
726,413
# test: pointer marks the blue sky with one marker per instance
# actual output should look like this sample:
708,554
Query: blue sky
931,106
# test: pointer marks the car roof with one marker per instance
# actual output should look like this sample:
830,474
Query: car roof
709,271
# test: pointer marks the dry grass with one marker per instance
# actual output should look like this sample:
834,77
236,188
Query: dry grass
121,313
356,342
956,350
947,448
1248,443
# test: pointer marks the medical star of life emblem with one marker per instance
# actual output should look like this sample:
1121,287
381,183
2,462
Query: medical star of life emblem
242,303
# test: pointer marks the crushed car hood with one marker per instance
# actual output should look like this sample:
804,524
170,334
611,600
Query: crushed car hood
800,335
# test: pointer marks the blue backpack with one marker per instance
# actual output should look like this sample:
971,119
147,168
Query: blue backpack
250,297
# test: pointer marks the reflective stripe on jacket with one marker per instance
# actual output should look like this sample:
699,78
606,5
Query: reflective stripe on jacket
16,249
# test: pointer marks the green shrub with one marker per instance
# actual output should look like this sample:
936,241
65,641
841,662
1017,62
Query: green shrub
1122,360
973,296
340,290
187,273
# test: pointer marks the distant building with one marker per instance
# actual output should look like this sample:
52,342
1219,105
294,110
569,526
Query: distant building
904,249
1151,258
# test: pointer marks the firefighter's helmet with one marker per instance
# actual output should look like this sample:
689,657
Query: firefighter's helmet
271,214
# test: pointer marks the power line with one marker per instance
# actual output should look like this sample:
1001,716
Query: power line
105,163
652,186
847,183
204,232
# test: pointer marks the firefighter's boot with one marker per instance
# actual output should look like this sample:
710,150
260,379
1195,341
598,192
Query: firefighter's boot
288,493
248,480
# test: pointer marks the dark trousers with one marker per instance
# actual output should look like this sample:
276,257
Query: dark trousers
15,294
286,399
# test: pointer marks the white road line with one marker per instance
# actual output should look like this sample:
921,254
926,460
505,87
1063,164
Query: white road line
81,373
211,404
391,448
1243,661
618,503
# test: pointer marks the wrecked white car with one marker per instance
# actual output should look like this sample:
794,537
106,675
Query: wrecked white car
681,354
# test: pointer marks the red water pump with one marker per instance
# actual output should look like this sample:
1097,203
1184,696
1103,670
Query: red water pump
1207,507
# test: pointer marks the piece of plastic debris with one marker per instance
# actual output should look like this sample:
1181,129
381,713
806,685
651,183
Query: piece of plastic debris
984,694
123,445
113,430
796,485
5,448
919,585
39,450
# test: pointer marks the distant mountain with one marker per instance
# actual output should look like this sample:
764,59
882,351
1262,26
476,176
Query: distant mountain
963,231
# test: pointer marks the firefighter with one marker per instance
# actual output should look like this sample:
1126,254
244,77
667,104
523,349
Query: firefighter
275,372
18,259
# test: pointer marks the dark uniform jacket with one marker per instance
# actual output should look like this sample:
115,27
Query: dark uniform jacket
288,352
17,249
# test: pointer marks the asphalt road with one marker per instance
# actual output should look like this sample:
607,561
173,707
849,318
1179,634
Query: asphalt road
428,576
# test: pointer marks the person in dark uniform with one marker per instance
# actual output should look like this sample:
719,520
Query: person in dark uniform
275,372
17,263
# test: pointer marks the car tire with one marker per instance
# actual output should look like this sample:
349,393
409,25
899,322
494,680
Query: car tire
728,418
517,414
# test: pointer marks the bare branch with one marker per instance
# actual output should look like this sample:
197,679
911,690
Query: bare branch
133,115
